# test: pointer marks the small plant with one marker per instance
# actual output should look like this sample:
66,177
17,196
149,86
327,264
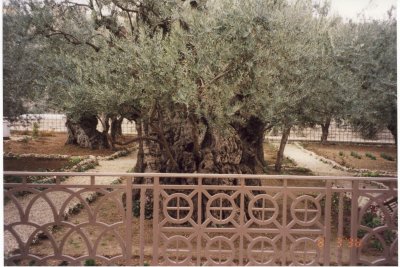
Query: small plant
370,174
369,155
13,179
35,130
86,167
387,157
90,262
355,155
74,160
25,139
341,153
146,263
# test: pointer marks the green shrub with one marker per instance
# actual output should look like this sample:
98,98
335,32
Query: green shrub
369,155
355,155
90,262
370,174
341,153
74,160
86,167
12,179
387,157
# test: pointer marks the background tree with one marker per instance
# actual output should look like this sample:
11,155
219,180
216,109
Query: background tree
374,61
203,80
21,61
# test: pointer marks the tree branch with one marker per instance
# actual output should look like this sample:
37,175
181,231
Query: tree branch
72,39
79,4
130,22
224,72
115,2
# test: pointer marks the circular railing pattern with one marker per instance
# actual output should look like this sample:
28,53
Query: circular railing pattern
262,251
221,208
178,208
219,251
174,251
305,251
263,209
306,207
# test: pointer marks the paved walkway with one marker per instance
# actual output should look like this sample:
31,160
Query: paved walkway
305,160
41,213
308,160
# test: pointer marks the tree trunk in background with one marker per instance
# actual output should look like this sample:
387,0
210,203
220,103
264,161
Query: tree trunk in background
325,130
393,125
140,167
84,133
116,128
284,139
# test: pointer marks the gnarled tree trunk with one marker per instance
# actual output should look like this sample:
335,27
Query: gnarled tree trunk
84,133
116,128
191,145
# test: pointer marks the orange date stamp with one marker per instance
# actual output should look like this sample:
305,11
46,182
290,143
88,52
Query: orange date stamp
341,242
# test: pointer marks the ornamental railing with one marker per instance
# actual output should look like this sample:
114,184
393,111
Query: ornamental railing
198,219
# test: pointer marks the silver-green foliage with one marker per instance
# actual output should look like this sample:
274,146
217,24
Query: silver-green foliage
225,62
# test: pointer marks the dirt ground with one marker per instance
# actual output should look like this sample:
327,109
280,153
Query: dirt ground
54,143
341,153
32,164
51,143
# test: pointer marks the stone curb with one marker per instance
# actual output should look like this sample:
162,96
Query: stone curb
10,155
118,154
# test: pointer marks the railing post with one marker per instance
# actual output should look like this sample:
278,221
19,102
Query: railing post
284,223
241,221
156,210
92,180
128,220
199,219
141,224
354,220
328,210
340,230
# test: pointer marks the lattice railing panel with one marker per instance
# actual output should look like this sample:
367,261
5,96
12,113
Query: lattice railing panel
294,221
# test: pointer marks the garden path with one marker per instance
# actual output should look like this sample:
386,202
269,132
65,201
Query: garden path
305,160
41,213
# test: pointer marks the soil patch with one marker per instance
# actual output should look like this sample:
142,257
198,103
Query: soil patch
355,156
33,164
288,166
52,143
